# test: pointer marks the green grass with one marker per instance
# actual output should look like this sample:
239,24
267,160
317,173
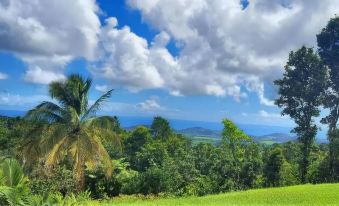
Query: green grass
325,194
199,139
267,142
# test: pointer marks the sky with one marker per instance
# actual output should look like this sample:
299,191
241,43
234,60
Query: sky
182,59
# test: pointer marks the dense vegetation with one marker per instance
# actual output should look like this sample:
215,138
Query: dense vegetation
62,153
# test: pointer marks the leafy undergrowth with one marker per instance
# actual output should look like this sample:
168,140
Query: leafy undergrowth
325,194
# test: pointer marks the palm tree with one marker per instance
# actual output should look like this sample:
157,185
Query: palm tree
73,133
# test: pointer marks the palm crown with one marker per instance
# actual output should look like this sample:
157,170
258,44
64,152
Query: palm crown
73,132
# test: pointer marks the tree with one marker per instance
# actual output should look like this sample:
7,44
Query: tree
72,132
328,43
300,90
251,174
273,168
135,142
234,139
160,128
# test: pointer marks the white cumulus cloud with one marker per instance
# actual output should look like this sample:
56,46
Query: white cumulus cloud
17,100
150,105
48,34
102,88
225,47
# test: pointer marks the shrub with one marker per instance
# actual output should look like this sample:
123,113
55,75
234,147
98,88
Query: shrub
57,180
13,183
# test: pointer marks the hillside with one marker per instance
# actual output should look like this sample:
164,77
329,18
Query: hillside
199,131
274,138
200,134
325,194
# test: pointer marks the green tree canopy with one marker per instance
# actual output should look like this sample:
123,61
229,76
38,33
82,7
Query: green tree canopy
328,43
160,128
300,92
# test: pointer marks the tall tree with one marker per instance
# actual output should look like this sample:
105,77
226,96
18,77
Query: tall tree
73,132
300,90
160,128
328,43
235,139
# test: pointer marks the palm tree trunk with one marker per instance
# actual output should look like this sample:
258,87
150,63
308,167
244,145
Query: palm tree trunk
82,178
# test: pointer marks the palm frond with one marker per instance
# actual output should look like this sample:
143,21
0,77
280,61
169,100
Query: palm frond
12,173
31,145
58,91
105,122
94,108
54,156
41,114
101,159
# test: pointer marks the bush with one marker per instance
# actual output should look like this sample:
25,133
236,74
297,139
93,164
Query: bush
152,181
57,180
200,186
58,199
13,183
123,181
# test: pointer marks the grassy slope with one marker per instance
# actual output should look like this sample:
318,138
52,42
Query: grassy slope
326,194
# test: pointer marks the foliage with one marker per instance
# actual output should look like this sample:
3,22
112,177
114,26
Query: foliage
13,183
56,180
300,90
73,132
329,51
82,198
235,140
252,168
160,128
135,142
273,168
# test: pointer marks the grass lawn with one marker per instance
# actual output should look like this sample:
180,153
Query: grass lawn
325,194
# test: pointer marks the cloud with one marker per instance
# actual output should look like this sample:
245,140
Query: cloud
3,76
126,59
129,60
38,75
47,35
16,100
150,105
263,117
102,88
224,47
265,114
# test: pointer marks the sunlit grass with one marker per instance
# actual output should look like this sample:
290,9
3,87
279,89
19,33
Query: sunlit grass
325,194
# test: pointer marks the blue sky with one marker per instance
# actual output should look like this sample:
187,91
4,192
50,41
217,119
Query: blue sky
202,61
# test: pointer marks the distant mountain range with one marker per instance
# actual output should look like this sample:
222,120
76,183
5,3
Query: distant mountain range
274,138
205,130
199,132
209,135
